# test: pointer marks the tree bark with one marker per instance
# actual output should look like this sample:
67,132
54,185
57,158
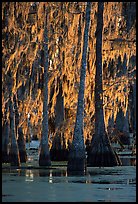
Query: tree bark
77,159
21,146
57,152
44,155
132,107
59,108
101,153
16,113
19,133
14,152
5,136
5,142
122,125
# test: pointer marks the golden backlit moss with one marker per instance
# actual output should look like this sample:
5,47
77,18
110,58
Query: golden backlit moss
23,25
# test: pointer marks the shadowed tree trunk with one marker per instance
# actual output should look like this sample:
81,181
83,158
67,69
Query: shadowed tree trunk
44,155
57,151
5,136
14,158
77,159
5,142
21,146
59,108
101,153
132,107
16,113
19,133
14,152
122,125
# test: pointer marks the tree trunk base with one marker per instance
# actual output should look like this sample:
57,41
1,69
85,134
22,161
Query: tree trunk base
76,166
103,159
14,159
59,155
23,156
44,160
101,153
5,157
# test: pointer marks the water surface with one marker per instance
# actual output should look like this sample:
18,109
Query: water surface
108,184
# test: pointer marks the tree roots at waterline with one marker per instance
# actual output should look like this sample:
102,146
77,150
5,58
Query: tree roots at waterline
76,161
14,159
23,156
44,158
76,166
5,157
102,155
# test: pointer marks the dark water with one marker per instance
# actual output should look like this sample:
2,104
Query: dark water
109,184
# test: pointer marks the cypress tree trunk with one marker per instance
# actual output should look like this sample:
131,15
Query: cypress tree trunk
56,151
5,141
44,155
101,153
132,107
14,152
59,108
19,133
21,146
5,137
77,159
16,113
122,125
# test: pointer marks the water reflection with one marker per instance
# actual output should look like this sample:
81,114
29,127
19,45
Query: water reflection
60,174
19,172
29,176
50,177
99,184
94,175
128,161
43,173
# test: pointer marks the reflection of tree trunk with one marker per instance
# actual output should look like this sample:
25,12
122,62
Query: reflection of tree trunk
77,159
101,153
14,152
44,156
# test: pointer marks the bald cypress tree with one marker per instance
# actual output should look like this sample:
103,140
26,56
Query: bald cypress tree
77,158
14,157
101,153
44,156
